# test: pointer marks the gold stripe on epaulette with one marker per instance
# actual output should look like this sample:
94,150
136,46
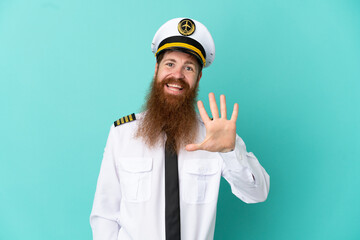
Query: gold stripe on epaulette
126,119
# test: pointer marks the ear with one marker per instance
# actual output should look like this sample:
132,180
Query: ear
156,69
200,75
198,79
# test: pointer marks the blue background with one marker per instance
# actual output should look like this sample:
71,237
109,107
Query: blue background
69,68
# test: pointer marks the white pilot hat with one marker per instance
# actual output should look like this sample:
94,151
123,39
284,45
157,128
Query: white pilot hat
187,35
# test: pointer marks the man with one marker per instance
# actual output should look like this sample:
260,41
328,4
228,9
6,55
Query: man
161,169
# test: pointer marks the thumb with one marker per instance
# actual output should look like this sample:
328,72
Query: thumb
192,147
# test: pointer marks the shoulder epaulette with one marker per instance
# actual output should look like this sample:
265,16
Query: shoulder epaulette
126,119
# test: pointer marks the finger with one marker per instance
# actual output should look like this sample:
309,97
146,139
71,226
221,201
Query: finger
193,147
203,114
223,106
235,112
213,106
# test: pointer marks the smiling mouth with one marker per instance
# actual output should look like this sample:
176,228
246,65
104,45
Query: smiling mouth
174,87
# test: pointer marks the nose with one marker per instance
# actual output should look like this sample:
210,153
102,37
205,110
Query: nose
178,73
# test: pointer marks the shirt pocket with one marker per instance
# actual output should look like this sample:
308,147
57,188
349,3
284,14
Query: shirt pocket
135,179
200,181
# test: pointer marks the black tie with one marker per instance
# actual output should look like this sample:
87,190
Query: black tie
172,207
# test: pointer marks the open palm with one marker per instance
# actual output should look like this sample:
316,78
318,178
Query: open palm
220,132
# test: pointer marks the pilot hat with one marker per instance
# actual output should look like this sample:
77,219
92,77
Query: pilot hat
186,35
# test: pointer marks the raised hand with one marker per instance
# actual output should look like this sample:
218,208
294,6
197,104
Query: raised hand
220,132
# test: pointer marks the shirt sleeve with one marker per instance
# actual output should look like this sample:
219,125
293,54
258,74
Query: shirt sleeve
103,218
248,179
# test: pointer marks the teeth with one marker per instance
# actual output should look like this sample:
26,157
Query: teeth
174,85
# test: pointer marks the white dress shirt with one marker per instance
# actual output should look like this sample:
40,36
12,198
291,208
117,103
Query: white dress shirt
129,201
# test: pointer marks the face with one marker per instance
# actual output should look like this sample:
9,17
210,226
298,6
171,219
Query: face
179,71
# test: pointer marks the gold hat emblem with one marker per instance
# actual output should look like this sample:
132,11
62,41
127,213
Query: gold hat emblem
186,27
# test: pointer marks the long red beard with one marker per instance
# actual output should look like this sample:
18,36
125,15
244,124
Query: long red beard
173,115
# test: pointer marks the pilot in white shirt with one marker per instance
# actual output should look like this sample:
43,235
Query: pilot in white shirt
132,196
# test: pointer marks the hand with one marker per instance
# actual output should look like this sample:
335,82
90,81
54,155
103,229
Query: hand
220,132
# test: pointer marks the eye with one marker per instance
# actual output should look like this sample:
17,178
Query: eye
188,68
169,64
